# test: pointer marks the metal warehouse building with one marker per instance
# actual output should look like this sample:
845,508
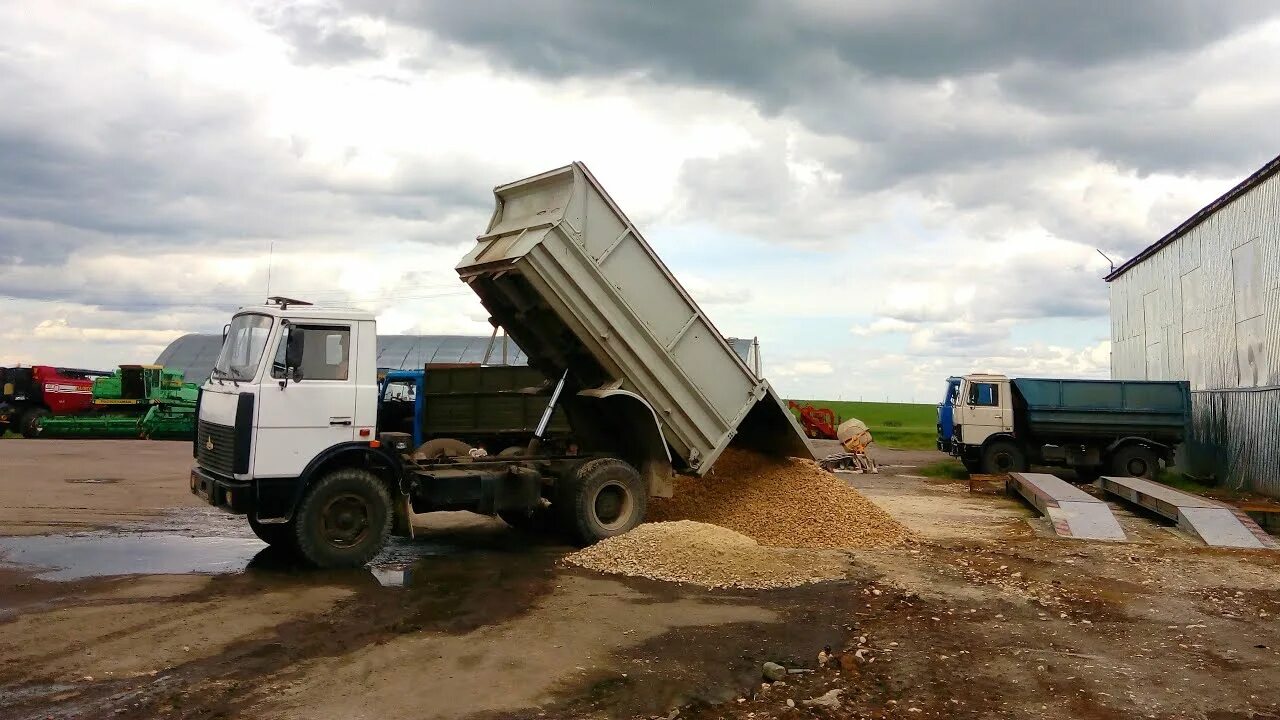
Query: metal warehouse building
1203,304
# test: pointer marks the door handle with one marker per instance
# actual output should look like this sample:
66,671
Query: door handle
339,421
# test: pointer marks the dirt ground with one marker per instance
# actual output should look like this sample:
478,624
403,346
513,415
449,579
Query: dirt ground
124,598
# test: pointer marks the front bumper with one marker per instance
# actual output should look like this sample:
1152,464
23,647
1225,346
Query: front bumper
223,492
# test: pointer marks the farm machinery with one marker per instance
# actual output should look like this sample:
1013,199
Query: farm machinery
135,401
30,394
818,423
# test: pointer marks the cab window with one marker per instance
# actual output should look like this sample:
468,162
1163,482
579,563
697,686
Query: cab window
985,394
326,352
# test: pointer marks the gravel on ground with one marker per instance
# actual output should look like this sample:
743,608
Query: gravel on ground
700,554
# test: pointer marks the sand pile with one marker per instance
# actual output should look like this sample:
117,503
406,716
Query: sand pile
706,555
781,503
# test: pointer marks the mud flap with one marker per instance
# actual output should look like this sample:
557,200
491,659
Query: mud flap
402,520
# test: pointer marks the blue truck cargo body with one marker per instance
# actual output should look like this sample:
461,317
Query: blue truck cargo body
1159,410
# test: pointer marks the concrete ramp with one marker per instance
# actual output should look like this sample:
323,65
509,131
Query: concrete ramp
1217,524
1073,512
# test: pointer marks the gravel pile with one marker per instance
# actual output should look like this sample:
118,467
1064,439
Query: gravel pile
692,552
785,503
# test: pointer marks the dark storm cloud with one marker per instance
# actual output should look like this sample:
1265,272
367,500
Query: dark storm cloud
318,36
1031,78
773,49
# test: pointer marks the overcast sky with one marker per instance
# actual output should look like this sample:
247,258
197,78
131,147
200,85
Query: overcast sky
885,193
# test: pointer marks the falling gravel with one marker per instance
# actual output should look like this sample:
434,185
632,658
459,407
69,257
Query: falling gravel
700,554
785,503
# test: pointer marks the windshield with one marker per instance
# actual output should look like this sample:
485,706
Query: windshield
242,351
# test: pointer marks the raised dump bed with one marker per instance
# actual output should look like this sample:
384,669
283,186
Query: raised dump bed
1215,523
1073,512
573,282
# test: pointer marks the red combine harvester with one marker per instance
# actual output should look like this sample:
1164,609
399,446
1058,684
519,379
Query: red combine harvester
818,423
30,393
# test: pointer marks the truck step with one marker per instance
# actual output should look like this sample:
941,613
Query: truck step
1073,512
1216,524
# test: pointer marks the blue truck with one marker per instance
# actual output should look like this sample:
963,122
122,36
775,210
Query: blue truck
995,424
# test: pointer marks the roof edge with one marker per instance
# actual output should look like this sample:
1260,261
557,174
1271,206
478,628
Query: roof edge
1257,178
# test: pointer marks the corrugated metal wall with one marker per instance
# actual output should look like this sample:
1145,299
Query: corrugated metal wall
1206,308
1235,437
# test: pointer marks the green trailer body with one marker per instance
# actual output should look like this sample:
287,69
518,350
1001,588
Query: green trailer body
500,403
1158,410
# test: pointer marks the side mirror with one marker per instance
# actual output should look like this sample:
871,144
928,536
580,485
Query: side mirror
293,355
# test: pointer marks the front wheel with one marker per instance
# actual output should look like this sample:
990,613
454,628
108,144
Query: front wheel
602,498
31,422
344,519
1003,456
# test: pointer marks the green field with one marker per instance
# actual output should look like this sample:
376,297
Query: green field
904,426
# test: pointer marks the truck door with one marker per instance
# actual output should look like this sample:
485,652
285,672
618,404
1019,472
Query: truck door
985,410
299,419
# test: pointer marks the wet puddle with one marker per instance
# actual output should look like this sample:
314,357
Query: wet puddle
73,557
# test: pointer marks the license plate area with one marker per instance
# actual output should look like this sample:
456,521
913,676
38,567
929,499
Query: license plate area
204,488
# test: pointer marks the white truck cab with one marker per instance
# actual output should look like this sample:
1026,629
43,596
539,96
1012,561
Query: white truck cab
254,380
983,407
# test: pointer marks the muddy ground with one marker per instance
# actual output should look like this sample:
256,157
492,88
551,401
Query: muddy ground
122,597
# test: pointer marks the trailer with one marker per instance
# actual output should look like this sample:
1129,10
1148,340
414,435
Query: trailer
1122,427
288,429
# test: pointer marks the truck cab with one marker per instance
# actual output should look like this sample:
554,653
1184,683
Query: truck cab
983,408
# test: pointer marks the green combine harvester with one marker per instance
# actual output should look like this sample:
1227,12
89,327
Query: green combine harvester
136,401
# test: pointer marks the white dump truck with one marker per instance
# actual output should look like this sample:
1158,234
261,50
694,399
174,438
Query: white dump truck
287,431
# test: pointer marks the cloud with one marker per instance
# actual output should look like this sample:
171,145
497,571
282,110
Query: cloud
875,188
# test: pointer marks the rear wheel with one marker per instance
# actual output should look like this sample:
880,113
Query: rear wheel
274,534
344,519
602,498
1003,456
1135,461
30,425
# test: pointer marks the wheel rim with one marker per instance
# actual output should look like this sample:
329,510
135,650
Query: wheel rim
344,520
612,506
1137,467
1004,461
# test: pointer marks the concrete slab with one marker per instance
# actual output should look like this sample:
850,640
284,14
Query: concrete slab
1073,512
1216,524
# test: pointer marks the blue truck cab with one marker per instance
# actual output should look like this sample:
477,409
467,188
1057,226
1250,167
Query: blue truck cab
946,414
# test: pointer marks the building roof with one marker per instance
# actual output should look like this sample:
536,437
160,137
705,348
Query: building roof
1266,171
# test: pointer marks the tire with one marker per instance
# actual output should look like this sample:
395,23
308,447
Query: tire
1135,461
603,497
276,535
1003,456
343,520
30,424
